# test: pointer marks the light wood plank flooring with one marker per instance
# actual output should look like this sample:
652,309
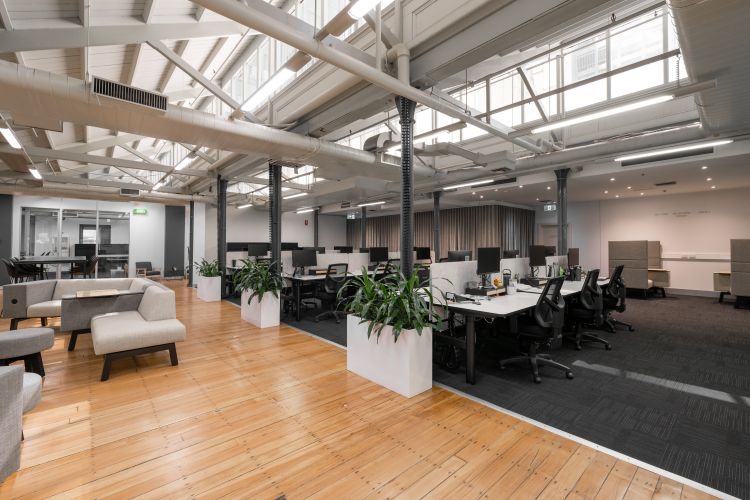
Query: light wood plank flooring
265,413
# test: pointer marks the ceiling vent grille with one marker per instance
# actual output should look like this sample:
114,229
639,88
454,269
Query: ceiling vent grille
346,204
130,192
668,183
129,94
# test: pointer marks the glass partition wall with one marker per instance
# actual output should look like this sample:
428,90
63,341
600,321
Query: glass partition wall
72,232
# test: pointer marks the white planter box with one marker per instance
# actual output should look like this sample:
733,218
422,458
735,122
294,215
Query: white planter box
404,366
262,314
209,289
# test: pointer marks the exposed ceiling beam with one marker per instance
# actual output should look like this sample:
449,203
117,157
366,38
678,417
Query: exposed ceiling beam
95,36
181,63
531,92
97,144
179,50
199,12
5,16
44,153
148,11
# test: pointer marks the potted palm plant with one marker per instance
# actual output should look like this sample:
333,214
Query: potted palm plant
260,285
209,280
389,331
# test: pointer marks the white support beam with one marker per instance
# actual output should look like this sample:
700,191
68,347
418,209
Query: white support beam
97,144
178,61
533,95
199,11
179,50
96,36
148,11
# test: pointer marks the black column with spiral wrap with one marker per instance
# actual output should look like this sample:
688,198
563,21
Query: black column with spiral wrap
406,112
274,214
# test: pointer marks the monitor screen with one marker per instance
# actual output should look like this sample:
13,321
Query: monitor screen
573,257
113,249
378,254
343,249
423,253
304,258
510,254
536,256
459,255
289,246
258,249
315,249
85,249
550,251
488,260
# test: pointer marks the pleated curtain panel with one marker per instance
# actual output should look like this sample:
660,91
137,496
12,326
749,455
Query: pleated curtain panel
467,228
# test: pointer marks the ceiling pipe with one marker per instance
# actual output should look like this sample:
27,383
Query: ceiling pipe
256,18
37,92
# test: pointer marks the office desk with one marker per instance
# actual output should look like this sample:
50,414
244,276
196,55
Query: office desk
299,280
51,259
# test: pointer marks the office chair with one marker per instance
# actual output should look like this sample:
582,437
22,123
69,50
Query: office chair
335,277
587,308
614,301
392,266
541,328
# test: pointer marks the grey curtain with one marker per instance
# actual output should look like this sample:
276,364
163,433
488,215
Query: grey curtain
466,228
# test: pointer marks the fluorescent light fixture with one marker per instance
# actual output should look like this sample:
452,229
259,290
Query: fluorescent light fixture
678,149
362,7
602,114
371,203
246,205
469,184
35,173
298,195
305,210
10,137
277,81
183,163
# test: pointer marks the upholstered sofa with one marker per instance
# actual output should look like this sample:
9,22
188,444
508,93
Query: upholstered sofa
44,299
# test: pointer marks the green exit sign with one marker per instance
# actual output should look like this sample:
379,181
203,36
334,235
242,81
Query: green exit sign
140,211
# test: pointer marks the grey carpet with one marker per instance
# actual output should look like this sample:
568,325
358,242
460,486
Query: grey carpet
675,393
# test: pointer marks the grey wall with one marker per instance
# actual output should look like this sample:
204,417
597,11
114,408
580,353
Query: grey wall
6,242
174,238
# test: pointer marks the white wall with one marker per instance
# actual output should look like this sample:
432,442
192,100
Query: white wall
694,230
146,237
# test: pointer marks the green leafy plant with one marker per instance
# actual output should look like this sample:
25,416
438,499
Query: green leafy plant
257,278
392,300
207,268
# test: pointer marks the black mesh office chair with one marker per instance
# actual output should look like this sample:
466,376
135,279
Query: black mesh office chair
614,301
587,309
540,329
392,266
335,277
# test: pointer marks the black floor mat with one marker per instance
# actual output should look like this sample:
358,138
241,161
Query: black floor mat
675,393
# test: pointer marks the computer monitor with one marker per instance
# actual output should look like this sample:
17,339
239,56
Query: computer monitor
573,257
378,254
488,260
289,246
85,249
549,251
304,258
459,255
423,253
342,249
315,249
258,249
537,256
510,254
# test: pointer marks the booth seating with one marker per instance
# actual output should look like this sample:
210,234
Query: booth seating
44,299
26,345
642,261
19,393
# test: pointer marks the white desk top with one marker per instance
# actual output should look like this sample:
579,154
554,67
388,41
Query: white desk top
568,288
317,277
505,305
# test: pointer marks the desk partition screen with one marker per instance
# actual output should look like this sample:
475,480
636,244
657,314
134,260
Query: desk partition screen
634,256
740,268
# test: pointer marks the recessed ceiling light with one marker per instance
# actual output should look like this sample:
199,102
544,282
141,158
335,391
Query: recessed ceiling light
496,190
606,192
473,192
520,187
704,167
617,196
537,199
641,194
548,188
612,179
708,179
630,187
481,196
713,187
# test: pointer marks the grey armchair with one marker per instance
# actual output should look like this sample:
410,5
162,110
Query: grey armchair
19,393
26,345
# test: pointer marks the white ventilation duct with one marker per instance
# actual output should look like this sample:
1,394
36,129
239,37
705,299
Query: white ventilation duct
39,93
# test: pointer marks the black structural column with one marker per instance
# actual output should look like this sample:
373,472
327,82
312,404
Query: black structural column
274,214
562,210
406,112
221,229
190,244
363,229
436,224
315,228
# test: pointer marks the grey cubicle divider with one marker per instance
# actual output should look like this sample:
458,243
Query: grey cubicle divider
634,256
740,268
654,255
453,276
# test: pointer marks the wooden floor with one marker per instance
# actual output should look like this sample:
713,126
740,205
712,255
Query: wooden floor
265,413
